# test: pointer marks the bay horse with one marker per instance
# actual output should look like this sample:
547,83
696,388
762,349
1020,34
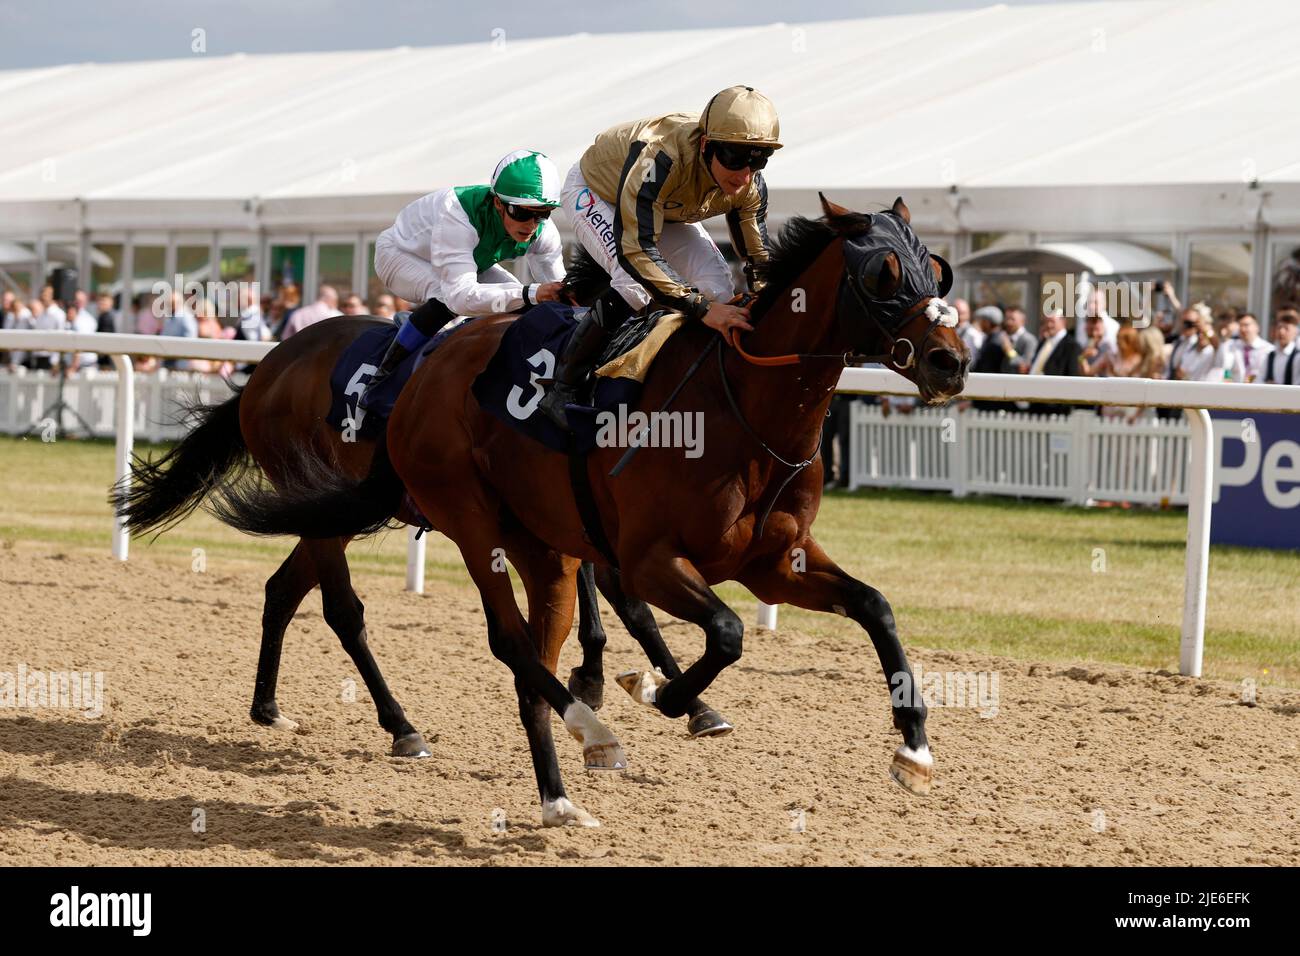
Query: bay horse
840,286
283,406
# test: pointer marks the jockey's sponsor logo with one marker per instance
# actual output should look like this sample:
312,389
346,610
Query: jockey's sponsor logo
619,428
590,211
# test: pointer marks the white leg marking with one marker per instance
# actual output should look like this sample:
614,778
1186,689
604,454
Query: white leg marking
921,756
565,813
643,686
586,729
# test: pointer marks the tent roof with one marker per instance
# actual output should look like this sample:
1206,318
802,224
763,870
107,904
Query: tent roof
1168,109
1101,258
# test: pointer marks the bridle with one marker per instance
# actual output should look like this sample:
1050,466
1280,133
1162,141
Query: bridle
928,308
932,308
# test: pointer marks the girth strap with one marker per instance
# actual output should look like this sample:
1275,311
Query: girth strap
586,501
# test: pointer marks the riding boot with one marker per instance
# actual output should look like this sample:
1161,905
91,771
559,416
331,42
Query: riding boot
583,348
387,365
420,326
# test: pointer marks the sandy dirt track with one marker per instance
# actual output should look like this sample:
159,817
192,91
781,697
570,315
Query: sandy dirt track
1182,771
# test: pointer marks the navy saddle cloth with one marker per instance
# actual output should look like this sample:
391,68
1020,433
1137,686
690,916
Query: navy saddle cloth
353,370
530,350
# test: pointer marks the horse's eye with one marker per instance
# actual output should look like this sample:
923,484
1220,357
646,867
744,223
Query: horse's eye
878,279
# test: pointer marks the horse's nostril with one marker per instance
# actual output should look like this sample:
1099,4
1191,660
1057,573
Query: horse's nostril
945,361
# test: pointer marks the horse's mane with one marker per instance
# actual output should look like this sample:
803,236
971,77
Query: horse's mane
800,242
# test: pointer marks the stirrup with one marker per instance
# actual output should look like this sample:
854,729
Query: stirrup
363,400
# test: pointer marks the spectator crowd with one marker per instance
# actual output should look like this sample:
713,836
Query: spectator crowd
258,319
1177,343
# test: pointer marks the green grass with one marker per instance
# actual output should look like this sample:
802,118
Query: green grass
985,575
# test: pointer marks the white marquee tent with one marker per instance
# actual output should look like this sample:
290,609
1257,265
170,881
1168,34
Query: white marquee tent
1159,114
1138,116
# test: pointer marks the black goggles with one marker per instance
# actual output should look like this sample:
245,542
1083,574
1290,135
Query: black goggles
736,157
527,213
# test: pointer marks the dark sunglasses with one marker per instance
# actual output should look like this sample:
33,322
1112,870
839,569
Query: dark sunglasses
735,158
526,213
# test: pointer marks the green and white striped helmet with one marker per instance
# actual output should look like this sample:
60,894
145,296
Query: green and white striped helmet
526,177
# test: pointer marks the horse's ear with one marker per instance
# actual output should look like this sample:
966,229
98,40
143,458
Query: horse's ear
942,274
832,210
901,211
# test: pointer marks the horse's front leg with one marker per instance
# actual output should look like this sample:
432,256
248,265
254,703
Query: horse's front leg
817,583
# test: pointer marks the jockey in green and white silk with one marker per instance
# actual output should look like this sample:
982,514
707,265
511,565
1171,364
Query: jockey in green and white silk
444,251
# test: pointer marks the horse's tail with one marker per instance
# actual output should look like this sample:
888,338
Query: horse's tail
318,501
161,493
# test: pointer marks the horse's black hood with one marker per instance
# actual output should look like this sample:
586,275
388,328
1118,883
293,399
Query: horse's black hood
864,256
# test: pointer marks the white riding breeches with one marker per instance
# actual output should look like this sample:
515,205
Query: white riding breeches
412,277
686,246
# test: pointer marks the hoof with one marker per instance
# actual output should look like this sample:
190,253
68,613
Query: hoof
411,745
564,813
590,692
709,723
271,717
913,770
642,685
608,756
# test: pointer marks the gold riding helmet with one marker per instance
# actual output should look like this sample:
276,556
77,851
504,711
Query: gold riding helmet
744,116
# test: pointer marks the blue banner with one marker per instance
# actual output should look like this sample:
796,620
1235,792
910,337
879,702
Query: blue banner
1256,490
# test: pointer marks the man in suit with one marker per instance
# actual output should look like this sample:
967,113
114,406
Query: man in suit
1057,354
1280,365
1008,348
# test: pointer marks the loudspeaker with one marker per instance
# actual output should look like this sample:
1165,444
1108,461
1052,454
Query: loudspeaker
64,282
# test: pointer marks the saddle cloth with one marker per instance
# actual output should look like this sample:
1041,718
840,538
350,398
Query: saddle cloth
529,351
353,370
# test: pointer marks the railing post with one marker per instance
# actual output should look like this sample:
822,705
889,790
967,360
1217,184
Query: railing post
957,453
415,560
1082,424
1201,481
124,426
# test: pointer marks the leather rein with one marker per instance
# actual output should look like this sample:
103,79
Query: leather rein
889,358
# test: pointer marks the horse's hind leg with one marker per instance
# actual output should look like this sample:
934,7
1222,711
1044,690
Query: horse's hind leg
345,615
640,623
480,541
549,580
671,582
587,680
284,592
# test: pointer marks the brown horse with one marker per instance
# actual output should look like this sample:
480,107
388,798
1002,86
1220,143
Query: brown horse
848,284
283,406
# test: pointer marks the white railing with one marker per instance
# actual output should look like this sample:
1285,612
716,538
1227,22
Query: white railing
92,395
1077,457
1194,397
